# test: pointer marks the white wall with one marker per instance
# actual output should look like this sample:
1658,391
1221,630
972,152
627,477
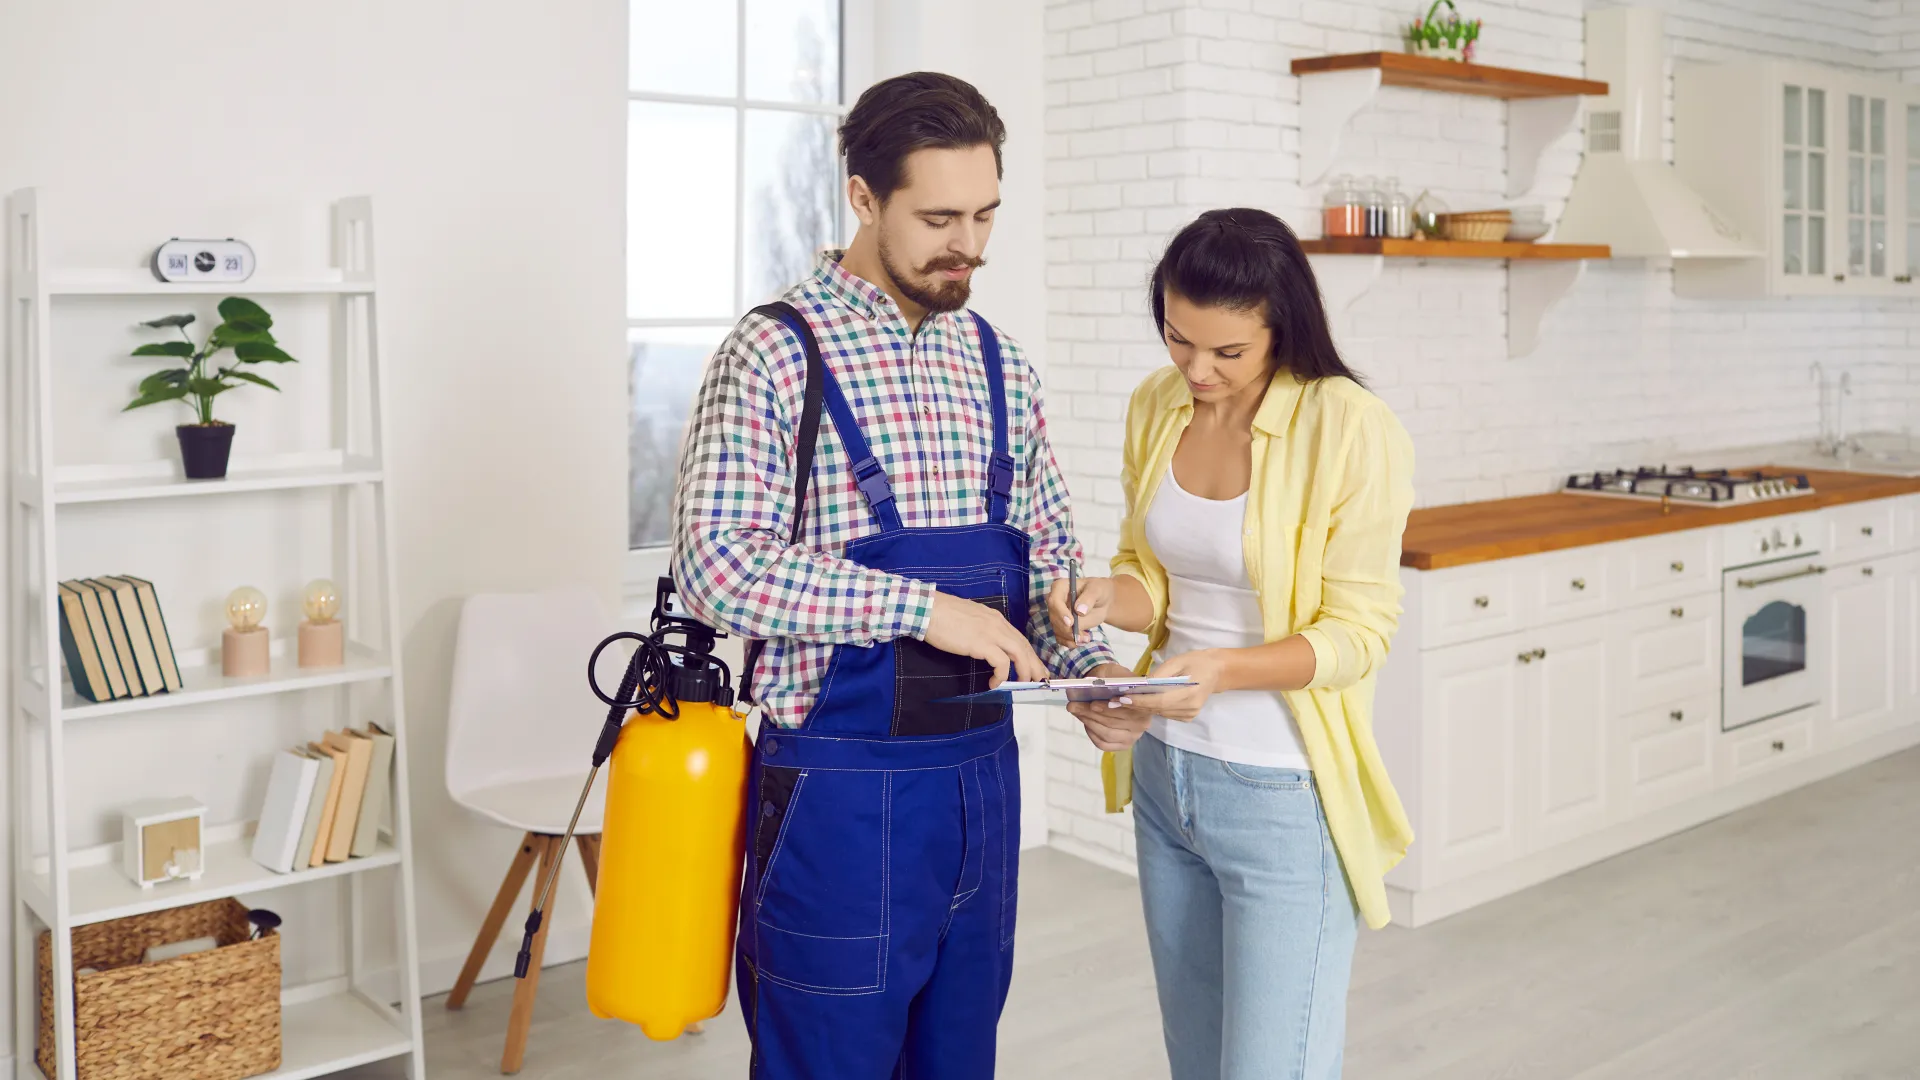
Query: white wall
1159,109
492,137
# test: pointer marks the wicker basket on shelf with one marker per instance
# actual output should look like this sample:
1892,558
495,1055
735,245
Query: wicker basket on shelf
1481,226
212,1015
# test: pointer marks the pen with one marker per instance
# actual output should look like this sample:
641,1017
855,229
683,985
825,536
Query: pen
1073,596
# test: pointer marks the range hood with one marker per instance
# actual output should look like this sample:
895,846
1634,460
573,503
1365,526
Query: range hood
1625,194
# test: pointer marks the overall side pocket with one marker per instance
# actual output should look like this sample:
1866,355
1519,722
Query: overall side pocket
820,917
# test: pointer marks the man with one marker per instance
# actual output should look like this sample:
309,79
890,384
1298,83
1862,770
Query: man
877,908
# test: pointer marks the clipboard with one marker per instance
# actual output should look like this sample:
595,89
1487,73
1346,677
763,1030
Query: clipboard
1064,691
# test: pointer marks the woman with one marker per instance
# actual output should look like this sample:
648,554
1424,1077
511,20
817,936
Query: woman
1266,494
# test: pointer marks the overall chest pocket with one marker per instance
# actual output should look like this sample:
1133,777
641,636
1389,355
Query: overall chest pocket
924,675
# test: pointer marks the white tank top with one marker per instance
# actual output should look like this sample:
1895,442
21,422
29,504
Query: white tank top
1212,605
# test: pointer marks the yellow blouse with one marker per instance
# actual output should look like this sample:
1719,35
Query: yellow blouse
1332,486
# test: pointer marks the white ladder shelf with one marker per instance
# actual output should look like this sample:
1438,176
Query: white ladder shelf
327,1025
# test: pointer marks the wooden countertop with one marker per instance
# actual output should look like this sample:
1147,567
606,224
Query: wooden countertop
1466,533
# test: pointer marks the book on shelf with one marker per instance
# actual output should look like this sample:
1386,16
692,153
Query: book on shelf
378,805
315,808
115,639
330,805
283,813
353,791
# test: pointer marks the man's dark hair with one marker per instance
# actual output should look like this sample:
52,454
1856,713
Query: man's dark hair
912,112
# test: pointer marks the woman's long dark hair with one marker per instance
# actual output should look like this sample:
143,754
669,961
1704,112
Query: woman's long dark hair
1248,260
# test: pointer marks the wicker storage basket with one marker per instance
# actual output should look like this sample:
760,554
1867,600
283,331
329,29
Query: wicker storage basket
212,1015
1480,225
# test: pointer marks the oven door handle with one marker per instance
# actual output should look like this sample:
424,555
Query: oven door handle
1754,583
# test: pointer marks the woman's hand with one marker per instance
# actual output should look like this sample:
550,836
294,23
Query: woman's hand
1111,725
1095,602
1206,667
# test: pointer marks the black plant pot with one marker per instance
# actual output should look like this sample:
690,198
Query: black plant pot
204,449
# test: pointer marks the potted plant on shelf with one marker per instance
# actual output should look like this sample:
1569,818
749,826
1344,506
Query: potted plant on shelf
1449,38
245,328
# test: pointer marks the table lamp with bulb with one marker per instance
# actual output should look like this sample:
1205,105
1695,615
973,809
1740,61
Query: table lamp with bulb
243,645
323,638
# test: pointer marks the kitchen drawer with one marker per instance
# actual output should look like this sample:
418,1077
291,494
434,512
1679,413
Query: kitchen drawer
1666,651
1471,603
1861,531
1665,755
1572,585
1761,748
1663,567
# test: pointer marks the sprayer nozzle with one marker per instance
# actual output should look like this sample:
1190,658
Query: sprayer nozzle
523,959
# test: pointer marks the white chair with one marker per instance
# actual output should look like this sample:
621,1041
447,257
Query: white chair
521,727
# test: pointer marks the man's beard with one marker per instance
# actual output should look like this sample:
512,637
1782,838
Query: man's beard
931,293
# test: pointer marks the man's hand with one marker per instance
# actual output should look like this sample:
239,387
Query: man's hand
966,628
1116,724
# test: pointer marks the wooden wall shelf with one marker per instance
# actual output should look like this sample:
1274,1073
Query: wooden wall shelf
1452,76
1452,249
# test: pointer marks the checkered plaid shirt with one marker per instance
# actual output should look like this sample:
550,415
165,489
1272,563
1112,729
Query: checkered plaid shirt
921,401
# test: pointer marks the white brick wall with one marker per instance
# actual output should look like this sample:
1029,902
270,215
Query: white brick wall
1159,109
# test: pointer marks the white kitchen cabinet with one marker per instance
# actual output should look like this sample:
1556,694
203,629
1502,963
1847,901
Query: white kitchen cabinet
1815,160
1564,733
1474,698
1666,650
1862,612
1906,638
1664,755
1544,712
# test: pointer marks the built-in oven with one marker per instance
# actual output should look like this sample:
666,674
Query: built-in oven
1775,645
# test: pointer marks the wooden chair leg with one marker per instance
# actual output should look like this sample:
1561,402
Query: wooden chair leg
590,856
521,1018
496,918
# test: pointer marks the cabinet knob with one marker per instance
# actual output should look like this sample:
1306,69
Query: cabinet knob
1539,654
1866,571
1526,658
1778,746
1679,567
1866,530
1839,277
1481,601
1677,715
1679,612
1579,583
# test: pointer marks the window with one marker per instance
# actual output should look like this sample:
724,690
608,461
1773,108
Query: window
733,185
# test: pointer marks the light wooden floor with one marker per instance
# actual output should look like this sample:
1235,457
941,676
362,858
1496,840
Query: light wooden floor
1780,943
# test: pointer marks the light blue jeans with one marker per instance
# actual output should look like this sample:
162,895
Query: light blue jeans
1249,917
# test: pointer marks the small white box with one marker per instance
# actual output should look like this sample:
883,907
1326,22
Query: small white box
162,840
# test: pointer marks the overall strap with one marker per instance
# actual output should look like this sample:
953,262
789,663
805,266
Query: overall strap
867,473
803,444
1000,470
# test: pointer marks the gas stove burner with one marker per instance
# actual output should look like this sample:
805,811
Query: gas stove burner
1707,487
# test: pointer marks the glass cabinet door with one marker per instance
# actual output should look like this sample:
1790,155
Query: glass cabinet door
1913,191
1803,240
1866,186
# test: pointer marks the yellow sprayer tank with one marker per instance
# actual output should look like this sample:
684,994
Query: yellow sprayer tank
669,881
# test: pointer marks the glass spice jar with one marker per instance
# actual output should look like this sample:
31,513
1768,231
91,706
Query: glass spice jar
1341,214
1373,207
1399,212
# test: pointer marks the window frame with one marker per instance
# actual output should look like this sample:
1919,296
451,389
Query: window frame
645,565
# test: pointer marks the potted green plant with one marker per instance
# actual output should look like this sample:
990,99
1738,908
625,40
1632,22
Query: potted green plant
1449,38
245,328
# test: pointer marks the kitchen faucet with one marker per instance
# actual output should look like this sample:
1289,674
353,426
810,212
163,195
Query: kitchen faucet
1838,443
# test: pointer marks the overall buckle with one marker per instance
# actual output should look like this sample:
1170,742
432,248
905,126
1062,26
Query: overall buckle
1000,475
872,481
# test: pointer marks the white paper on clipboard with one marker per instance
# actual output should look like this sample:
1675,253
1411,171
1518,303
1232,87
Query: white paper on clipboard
1063,691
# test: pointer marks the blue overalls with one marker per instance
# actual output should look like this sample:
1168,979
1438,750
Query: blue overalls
877,906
